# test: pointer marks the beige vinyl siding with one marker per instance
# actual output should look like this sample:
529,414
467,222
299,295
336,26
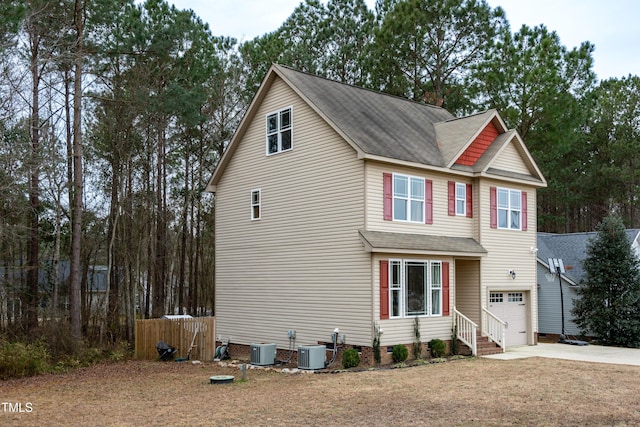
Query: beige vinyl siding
510,160
468,288
302,265
443,224
509,250
400,330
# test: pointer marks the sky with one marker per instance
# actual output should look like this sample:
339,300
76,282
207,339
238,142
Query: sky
611,25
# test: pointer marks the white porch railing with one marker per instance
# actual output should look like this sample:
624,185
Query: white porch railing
467,330
494,328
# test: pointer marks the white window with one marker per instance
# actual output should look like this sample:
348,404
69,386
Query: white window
415,288
509,209
461,199
395,288
496,297
280,131
256,204
408,198
515,297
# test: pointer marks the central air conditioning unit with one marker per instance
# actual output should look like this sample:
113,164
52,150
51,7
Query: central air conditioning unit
263,354
311,356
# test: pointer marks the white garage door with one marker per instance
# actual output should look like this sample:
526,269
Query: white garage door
511,307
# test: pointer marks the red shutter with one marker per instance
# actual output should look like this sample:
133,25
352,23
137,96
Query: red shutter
524,211
493,204
428,202
387,179
452,198
384,289
446,311
469,201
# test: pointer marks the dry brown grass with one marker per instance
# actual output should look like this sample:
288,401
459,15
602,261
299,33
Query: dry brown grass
471,392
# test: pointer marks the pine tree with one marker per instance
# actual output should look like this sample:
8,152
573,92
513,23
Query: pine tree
609,303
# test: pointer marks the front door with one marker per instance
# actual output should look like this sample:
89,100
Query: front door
511,307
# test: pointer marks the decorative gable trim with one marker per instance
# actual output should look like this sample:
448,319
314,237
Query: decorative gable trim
478,146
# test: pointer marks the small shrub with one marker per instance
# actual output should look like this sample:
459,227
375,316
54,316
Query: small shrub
455,348
399,353
437,347
18,360
417,344
376,344
350,358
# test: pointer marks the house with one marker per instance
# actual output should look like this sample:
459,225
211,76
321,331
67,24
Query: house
571,249
340,207
13,284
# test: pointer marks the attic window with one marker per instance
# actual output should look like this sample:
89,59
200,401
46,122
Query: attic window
279,131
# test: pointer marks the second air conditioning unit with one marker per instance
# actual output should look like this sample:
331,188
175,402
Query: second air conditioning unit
311,356
263,354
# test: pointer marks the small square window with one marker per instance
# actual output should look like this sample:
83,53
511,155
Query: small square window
515,297
496,297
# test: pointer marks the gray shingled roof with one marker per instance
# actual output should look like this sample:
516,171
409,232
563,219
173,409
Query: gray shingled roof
571,248
377,123
421,242
454,134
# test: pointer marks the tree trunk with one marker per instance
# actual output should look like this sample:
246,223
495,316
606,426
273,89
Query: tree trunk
34,187
76,221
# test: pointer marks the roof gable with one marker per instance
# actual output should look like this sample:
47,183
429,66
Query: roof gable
373,122
388,128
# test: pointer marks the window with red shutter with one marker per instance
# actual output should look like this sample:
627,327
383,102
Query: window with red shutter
524,211
428,206
384,289
493,205
388,196
446,310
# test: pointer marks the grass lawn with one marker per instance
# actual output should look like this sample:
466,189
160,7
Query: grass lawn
469,392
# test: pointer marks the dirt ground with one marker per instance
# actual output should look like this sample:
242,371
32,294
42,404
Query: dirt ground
468,392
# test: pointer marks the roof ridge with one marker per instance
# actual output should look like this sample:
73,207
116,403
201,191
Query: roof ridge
378,92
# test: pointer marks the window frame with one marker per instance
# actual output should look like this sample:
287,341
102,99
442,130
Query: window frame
409,199
508,209
399,294
461,200
255,205
279,130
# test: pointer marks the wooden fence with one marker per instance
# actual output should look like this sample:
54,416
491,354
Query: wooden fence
179,333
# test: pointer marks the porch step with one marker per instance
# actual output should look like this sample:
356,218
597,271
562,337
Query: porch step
485,347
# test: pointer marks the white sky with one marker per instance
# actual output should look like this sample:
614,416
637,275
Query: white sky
612,25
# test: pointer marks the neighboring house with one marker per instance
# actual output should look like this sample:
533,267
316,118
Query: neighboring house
340,207
13,283
571,248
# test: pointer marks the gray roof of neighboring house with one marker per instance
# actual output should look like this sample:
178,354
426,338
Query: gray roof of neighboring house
377,123
571,248
381,241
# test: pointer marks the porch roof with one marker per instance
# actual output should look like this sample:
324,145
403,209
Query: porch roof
380,241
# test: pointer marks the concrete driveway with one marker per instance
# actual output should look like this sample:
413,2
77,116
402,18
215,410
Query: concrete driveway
586,353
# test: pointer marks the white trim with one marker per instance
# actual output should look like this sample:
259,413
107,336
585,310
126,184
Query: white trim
256,205
409,198
509,209
278,130
463,199
402,305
